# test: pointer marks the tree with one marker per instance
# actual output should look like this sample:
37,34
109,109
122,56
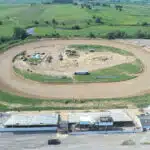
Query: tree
20,33
76,27
46,22
140,34
116,34
54,22
1,22
4,39
92,35
36,22
145,24
119,7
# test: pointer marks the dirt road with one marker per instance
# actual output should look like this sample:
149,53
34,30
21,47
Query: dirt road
9,82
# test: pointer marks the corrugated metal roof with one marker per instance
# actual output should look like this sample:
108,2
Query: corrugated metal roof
77,117
119,115
42,119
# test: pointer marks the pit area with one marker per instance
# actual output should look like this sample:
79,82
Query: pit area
76,63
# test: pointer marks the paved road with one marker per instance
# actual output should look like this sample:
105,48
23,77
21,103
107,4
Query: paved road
84,142
10,82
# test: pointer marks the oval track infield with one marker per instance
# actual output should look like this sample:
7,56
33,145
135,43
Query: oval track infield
12,83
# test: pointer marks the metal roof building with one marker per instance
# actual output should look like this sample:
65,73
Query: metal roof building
89,118
32,120
108,118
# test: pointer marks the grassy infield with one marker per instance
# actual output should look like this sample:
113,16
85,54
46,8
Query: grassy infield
112,74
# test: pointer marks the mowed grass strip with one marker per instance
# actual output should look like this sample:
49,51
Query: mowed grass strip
116,73
100,48
14,102
42,78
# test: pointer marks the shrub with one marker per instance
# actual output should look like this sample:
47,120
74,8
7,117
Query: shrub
76,27
145,24
46,22
4,39
141,34
116,34
93,17
92,35
63,24
55,34
54,22
1,22
36,22
128,142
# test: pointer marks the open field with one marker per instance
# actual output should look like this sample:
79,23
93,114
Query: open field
66,16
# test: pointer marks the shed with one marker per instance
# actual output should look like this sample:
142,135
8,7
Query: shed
145,121
82,72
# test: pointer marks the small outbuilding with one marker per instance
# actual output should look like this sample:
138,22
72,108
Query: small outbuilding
145,121
83,72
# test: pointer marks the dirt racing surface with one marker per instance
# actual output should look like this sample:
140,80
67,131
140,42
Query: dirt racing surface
10,82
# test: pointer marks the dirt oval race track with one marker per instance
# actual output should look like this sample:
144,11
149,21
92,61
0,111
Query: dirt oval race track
11,83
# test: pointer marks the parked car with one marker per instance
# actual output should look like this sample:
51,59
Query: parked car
54,142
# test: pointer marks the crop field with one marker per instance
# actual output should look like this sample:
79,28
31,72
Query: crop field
42,17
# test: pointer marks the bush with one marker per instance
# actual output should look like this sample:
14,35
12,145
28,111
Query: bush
36,22
54,22
46,22
128,142
92,35
141,34
1,22
55,34
4,39
116,34
145,24
19,33
76,27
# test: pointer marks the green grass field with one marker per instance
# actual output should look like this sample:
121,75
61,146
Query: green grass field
100,48
43,78
113,74
13,102
66,16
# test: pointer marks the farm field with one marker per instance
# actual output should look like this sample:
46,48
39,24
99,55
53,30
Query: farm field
48,19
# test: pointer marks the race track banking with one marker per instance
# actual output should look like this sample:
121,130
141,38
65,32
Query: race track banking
12,83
